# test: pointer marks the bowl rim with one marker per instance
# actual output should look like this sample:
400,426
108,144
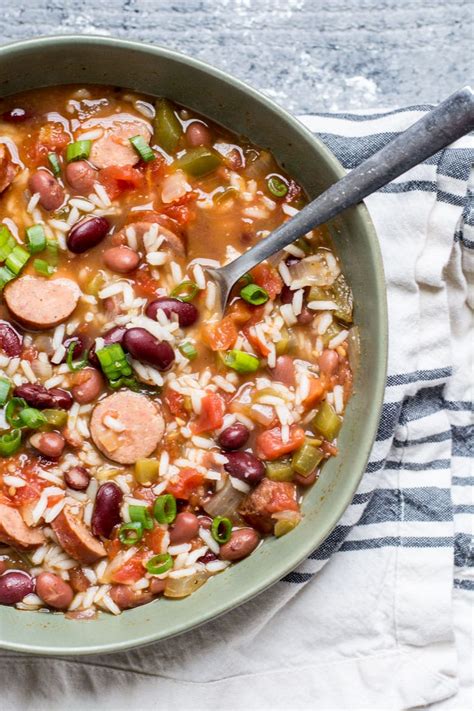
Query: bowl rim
254,587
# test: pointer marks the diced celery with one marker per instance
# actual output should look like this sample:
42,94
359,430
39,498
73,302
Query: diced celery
326,422
342,295
199,161
146,470
284,525
168,129
57,418
279,470
306,459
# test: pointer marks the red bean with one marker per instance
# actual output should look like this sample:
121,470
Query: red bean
40,397
187,313
244,466
54,591
207,557
49,444
77,478
233,437
126,598
106,512
305,480
10,341
286,295
328,362
15,115
14,585
50,191
89,386
121,259
205,522
148,349
157,586
284,370
197,134
305,316
184,528
81,344
87,234
242,542
81,176
113,335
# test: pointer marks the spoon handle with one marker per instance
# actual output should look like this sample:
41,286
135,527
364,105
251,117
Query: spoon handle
450,120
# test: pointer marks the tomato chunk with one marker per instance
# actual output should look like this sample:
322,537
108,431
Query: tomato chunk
268,498
116,179
222,335
153,539
131,571
268,278
176,403
188,481
316,392
212,414
271,446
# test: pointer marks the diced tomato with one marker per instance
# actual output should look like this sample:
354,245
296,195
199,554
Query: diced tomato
270,445
30,353
113,548
222,335
345,377
188,481
153,539
50,137
255,342
153,171
268,278
145,284
176,403
282,498
240,312
116,179
316,392
145,493
180,210
211,416
131,571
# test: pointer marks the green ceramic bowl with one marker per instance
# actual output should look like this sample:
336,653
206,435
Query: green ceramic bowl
153,70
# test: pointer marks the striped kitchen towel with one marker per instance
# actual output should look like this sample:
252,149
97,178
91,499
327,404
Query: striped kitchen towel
371,619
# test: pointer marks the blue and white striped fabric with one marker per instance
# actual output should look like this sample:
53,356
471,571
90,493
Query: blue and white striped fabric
371,619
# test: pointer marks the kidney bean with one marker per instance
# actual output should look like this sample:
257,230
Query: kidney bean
184,528
79,581
81,344
106,512
49,444
286,295
54,591
205,522
15,115
207,557
126,598
87,234
10,341
40,397
157,586
242,542
14,585
121,259
244,466
81,176
89,386
148,349
197,134
77,478
305,317
187,313
50,191
305,480
234,436
328,361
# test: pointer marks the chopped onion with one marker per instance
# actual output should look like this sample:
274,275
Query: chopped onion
225,503
182,587
313,271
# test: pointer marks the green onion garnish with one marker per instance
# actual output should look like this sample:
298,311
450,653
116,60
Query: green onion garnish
246,279
254,294
130,533
277,186
241,361
114,363
10,443
164,508
13,409
142,148
7,242
70,355
78,150
54,163
186,291
5,386
52,251
5,276
32,418
159,564
188,350
36,238
221,529
141,515
43,267
17,259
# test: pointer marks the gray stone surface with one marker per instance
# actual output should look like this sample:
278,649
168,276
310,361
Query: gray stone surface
309,55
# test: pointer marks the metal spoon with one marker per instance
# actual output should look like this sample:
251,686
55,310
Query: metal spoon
450,120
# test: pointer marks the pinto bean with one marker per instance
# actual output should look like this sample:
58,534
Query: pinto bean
184,528
10,341
242,542
284,370
306,316
77,478
121,259
157,586
81,176
78,579
54,591
49,444
197,134
125,598
50,192
328,361
106,512
89,386
304,480
14,585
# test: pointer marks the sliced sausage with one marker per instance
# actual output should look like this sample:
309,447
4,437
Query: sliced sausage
268,498
81,176
140,229
114,147
50,192
76,539
41,304
8,170
139,421
15,532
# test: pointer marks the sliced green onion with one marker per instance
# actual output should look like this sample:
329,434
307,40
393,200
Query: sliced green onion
159,564
32,418
241,361
78,150
5,276
70,355
13,410
10,443
246,279
54,163
17,259
130,533
277,186
254,294
188,350
36,238
7,242
5,386
221,529
43,267
52,250
142,148
130,383
141,515
164,508
114,362
56,418
186,291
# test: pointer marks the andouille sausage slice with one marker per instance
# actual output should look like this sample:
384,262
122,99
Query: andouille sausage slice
8,169
76,539
15,532
114,147
40,304
137,427
142,228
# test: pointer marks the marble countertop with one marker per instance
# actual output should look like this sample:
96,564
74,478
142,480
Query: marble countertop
308,55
